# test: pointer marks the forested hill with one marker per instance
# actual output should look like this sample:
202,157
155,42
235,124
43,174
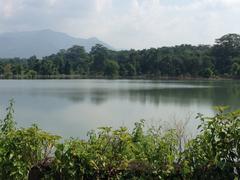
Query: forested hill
222,59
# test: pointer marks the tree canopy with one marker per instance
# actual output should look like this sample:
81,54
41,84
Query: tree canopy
220,59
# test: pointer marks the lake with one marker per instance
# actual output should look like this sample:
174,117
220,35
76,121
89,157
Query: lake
73,107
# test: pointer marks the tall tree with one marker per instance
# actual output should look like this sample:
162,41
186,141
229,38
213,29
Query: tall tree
226,48
7,70
99,55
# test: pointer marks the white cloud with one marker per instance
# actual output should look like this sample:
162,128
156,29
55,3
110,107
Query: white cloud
52,2
230,2
101,5
127,23
7,8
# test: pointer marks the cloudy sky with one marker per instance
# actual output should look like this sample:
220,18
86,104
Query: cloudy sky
126,24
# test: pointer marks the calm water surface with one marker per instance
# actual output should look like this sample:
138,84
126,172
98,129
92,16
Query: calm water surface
73,107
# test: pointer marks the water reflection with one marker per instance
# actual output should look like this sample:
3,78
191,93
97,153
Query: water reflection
72,107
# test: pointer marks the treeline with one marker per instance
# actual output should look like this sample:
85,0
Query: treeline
214,154
220,60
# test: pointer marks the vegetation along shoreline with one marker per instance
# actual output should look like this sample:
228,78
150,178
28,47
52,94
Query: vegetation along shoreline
140,153
222,60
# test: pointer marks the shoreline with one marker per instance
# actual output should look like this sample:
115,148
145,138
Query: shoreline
69,77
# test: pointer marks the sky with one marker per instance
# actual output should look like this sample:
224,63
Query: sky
126,24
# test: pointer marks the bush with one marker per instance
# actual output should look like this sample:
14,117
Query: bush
207,73
216,150
122,154
22,149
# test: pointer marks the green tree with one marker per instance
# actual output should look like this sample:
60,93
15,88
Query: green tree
99,55
111,68
226,48
7,70
33,63
235,69
31,74
207,73
78,58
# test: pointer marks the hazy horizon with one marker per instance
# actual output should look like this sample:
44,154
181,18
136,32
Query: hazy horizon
126,24
92,37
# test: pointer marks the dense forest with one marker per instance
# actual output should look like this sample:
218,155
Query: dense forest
219,60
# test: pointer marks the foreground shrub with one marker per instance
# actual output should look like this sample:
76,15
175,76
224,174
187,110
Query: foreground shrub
122,154
118,154
105,154
215,152
22,149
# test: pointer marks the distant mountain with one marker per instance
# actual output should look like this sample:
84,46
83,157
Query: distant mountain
40,43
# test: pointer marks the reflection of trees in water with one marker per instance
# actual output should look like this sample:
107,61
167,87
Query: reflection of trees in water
76,98
213,93
97,100
96,96
182,96
186,96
